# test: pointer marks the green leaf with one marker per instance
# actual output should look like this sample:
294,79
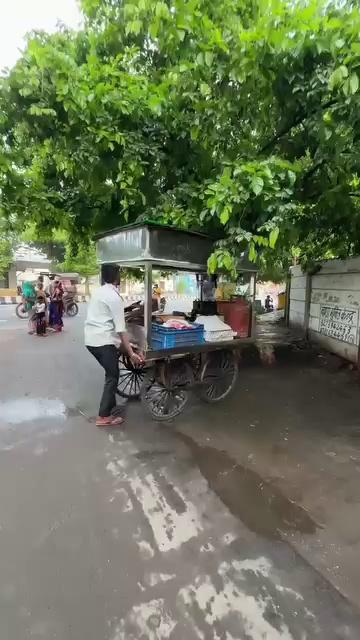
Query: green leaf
340,43
328,133
154,28
161,10
26,91
354,83
346,87
212,263
228,262
274,234
133,27
292,177
257,185
155,104
204,89
252,252
355,46
41,111
200,59
225,215
344,71
338,76
209,57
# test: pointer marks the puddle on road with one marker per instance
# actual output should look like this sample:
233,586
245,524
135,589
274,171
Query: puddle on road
262,507
22,420
28,409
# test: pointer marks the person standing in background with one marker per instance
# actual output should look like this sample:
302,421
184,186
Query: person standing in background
56,308
40,320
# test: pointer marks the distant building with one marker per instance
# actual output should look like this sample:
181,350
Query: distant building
27,264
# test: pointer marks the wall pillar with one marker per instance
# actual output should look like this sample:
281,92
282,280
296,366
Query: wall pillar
307,305
12,281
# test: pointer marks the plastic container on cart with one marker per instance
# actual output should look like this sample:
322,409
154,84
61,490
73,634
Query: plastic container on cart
167,338
237,314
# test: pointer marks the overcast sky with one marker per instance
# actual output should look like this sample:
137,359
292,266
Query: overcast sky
20,16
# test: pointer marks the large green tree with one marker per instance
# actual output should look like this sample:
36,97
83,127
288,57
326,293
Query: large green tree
239,117
6,255
7,246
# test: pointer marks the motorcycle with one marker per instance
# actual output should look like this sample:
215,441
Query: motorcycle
269,305
269,308
23,308
70,306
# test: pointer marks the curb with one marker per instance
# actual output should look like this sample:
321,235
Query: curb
10,299
17,299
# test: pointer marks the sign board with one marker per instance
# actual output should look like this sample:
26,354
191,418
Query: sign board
339,323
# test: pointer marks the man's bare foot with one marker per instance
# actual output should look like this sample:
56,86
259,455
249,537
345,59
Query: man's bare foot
109,421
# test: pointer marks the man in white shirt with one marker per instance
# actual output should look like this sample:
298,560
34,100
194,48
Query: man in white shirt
104,329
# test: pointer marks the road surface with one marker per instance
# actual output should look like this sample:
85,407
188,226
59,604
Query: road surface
153,532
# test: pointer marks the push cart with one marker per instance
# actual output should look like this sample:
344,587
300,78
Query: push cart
170,373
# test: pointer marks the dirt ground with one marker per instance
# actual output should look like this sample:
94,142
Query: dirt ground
284,454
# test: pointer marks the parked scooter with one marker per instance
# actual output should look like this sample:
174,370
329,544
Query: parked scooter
269,304
22,309
70,306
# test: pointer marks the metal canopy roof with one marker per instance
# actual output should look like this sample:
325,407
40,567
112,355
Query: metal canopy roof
162,246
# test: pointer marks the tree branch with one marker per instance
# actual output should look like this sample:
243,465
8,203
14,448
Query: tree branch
299,120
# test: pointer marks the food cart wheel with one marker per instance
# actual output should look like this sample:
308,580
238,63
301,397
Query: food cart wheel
164,401
218,376
130,378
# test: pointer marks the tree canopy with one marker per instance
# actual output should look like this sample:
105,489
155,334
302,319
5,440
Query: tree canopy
6,250
83,261
239,117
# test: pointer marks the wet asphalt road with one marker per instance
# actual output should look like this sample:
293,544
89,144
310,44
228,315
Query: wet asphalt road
142,533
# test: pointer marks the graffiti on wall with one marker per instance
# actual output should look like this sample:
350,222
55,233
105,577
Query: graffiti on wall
339,323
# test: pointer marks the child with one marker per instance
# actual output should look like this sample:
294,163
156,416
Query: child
39,309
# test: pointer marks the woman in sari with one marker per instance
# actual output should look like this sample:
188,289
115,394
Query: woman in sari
56,308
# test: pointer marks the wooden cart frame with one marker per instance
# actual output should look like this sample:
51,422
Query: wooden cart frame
165,381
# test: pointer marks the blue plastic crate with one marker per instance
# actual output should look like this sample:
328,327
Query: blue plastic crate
167,338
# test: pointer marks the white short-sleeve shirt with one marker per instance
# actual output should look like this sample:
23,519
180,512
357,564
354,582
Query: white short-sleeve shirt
105,317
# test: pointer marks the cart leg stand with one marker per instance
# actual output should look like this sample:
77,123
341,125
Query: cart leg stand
148,305
253,298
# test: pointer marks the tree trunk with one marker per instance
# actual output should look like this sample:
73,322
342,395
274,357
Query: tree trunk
87,286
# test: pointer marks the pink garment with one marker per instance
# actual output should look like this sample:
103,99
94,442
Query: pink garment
177,324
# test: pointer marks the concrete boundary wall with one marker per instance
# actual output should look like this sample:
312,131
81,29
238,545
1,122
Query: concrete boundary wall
297,298
326,306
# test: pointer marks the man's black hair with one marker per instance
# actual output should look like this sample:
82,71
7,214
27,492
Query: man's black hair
110,273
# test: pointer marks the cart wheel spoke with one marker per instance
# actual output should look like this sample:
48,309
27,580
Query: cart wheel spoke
161,402
131,384
130,379
137,384
218,376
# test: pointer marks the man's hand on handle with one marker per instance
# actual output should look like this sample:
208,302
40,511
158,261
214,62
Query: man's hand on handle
137,358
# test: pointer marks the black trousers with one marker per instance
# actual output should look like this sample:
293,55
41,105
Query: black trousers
108,357
40,324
